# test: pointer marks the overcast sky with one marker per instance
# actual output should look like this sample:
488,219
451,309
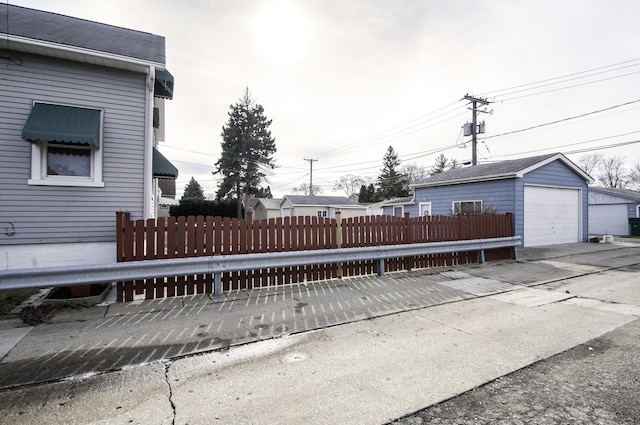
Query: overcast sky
344,80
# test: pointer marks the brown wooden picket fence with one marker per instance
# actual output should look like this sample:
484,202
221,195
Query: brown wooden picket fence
180,237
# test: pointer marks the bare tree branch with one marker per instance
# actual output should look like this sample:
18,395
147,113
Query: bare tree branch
613,173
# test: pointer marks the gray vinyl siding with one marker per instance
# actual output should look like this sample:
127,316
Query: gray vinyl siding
556,174
599,198
53,214
496,194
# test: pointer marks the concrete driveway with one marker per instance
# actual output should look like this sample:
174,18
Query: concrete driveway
362,351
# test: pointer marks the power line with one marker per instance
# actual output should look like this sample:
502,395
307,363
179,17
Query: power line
570,87
578,143
486,94
616,145
401,130
562,120
389,135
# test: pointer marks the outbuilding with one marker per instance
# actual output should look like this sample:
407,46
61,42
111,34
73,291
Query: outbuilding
613,211
547,196
265,208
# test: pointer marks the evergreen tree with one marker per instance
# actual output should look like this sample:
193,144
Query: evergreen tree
443,164
372,194
391,182
247,151
264,192
368,194
362,195
193,190
440,165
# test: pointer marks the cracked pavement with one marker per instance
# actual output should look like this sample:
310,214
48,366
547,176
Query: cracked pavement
364,350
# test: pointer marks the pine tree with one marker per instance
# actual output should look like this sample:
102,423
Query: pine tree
362,195
391,183
440,165
193,190
443,164
247,151
371,193
264,192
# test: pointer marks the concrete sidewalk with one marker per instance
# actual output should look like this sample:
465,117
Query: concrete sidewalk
431,335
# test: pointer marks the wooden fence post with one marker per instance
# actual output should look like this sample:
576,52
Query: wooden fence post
119,235
407,239
338,238
510,218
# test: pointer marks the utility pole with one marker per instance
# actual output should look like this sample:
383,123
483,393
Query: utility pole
474,125
311,161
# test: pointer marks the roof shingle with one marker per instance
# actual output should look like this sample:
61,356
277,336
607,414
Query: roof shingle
497,170
66,30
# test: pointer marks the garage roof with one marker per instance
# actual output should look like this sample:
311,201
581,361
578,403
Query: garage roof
515,168
631,195
325,201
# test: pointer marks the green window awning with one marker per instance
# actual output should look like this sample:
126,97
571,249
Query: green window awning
163,86
64,124
162,167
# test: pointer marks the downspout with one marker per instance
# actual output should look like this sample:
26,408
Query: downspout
148,144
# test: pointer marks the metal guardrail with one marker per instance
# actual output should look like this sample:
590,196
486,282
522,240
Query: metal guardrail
104,273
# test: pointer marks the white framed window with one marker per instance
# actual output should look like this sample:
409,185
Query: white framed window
466,207
59,157
638,211
54,164
425,208
322,213
398,211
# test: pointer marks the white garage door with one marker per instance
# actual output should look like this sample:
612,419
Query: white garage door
551,216
608,220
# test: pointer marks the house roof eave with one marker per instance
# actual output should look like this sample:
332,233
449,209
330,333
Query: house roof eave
631,197
467,180
79,54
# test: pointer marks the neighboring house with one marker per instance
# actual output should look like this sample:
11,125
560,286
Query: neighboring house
547,196
320,206
81,113
396,206
374,208
265,208
611,209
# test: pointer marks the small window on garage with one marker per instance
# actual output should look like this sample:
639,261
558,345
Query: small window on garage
322,213
398,211
466,207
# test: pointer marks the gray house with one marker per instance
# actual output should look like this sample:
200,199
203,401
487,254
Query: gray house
81,114
547,196
265,208
611,209
320,206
